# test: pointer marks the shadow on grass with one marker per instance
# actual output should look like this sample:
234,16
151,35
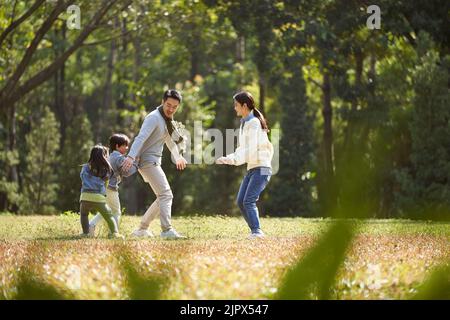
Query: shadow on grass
139,284
30,287
139,287
61,238
436,286
313,276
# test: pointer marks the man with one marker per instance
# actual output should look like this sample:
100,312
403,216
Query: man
147,149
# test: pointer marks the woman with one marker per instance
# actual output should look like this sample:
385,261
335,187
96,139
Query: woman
256,150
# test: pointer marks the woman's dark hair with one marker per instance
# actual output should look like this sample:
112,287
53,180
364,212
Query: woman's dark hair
171,93
98,162
246,97
118,139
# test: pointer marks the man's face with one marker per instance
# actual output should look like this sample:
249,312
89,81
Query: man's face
170,106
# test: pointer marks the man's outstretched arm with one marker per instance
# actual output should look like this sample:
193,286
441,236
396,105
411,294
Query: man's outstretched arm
180,162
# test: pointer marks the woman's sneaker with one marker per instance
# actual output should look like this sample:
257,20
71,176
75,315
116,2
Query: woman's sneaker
140,233
171,234
258,235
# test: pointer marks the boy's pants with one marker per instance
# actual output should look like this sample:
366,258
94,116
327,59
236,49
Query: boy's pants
154,175
113,201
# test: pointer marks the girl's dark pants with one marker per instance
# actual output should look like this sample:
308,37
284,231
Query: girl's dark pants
87,207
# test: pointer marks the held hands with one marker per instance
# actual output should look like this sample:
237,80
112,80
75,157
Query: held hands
127,163
181,163
223,160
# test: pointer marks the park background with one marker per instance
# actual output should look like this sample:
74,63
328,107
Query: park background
338,91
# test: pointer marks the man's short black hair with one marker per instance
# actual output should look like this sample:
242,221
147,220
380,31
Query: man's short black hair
118,139
171,93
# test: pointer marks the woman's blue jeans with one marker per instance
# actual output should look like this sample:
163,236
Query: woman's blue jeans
255,181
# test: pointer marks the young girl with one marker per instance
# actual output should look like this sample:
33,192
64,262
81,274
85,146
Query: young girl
256,150
94,176
118,145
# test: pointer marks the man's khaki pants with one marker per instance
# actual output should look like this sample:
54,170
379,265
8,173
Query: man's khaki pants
162,206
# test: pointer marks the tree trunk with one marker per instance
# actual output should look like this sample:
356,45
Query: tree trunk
240,58
195,54
60,108
372,75
12,141
38,204
350,130
330,195
262,90
107,103
240,49
136,65
132,188
194,64
137,60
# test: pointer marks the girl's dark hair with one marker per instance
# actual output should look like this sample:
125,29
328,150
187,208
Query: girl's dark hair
118,139
171,93
98,162
246,97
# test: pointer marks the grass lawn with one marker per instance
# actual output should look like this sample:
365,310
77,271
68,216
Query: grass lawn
387,260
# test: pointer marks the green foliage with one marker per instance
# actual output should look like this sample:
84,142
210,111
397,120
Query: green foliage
39,182
381,84
220,88
9,190
425,183
75,152
291,188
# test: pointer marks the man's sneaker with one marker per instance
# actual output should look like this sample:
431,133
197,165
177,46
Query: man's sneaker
258,235
116,235
91,230
171,234
140,233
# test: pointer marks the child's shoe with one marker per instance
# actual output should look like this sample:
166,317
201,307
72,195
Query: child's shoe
116,235
92,230
84,235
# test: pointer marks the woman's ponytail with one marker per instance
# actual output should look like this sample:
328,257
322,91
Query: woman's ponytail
261,118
